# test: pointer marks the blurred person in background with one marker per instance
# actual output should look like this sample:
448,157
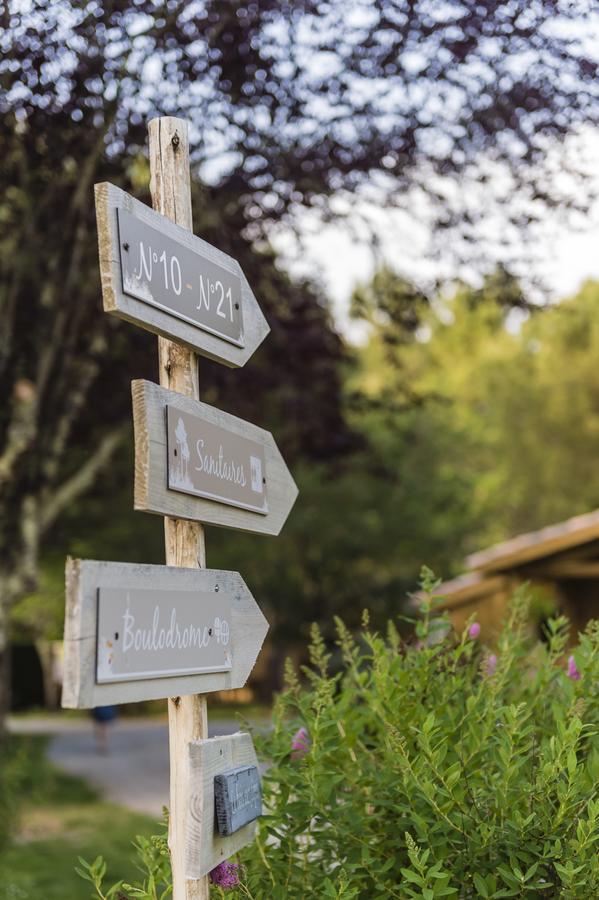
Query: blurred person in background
103,716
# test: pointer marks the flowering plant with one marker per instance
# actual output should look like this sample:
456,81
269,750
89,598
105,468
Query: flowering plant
435,768
431,767
225,875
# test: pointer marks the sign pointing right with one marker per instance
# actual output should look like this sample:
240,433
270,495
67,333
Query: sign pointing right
142,632
193,461
165,279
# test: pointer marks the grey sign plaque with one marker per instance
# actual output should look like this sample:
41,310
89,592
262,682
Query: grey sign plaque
145,633
212,462
171,276
237,798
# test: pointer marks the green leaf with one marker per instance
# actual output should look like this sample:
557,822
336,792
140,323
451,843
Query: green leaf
412,876
481,885
572,762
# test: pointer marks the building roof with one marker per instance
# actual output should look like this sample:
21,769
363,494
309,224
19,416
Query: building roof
555,552
467,588
534,545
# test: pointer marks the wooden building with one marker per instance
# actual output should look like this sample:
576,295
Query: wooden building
560,562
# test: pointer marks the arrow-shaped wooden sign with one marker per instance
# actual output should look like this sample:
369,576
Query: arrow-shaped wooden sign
193,461
141,632
160,276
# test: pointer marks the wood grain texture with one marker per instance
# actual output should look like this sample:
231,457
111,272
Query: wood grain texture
205,848
151,491
175,206
85,577
184,542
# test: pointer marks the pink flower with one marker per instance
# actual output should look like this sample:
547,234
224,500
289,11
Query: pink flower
300,743
474,631
225,875
573,672
491,664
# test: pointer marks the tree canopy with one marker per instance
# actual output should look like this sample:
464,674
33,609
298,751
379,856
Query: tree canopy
295,100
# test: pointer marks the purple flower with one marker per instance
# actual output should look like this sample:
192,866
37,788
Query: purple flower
300,743
225,875
491,664
573,672
474,631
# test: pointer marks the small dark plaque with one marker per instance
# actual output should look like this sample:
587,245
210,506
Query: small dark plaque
238,798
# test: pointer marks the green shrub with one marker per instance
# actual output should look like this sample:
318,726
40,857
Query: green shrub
153,863
431,772
23,773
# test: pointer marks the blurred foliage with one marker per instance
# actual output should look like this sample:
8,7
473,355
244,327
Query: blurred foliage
54,818
40,614
426,769
476,423
14,764
290,105
27,776
514,394
295,101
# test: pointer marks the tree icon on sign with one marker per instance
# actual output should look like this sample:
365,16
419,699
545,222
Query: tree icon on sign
183,455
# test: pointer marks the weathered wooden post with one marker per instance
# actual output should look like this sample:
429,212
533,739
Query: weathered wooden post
179,631
184,541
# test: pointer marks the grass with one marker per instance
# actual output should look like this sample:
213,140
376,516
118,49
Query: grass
62,818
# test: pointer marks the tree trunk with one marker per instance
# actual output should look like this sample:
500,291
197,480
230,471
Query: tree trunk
5,692
48,654
21,539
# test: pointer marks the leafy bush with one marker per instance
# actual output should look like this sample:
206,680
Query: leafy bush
434,769
24,773
154,864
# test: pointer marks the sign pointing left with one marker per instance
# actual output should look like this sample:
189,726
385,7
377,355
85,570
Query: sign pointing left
141,632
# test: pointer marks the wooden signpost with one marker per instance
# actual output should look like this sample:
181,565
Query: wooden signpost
180,631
